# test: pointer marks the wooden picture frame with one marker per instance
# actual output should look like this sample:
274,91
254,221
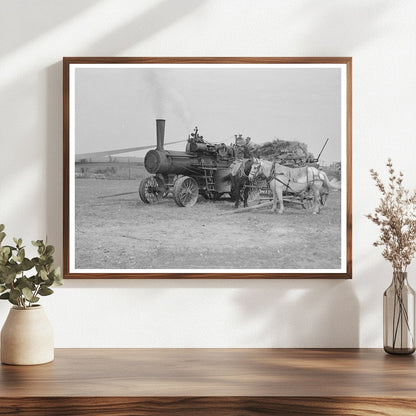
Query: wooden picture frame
109,102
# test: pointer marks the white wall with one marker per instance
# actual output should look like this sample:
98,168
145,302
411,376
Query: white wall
380,35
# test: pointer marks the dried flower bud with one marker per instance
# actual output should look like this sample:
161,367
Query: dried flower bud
396,217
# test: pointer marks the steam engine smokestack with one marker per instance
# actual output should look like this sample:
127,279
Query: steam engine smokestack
160,133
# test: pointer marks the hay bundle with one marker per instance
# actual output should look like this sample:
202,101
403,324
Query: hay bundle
282,150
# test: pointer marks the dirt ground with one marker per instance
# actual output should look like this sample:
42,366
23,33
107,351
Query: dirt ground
125,233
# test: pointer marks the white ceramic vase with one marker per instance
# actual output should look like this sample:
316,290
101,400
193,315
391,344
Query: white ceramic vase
27,337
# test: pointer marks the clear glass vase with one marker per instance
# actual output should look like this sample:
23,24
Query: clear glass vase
399,316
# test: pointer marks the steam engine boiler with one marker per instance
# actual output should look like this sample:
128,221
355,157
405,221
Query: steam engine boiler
203,168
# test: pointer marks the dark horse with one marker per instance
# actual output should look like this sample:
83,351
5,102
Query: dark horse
239,181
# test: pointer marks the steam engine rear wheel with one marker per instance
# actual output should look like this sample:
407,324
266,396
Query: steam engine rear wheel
151,189
185,191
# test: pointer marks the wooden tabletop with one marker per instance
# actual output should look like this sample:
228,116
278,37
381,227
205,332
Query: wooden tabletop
267,377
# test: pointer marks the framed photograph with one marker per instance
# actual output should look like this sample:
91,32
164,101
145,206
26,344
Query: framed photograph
207,168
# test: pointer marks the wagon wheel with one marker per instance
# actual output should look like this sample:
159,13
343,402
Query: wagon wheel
253,196
185,191
307,201
151,189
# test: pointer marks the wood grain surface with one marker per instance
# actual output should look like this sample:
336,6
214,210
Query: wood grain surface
212,381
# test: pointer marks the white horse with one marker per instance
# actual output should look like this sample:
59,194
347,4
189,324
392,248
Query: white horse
294,180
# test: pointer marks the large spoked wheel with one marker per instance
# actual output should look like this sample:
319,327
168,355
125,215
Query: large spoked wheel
307,201
253,196
185,191
151,190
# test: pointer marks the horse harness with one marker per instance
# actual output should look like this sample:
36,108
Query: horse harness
274,175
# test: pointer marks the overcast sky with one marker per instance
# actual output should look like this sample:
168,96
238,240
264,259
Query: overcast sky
117,107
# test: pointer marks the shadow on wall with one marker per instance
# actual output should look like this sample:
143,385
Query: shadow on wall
37,17
157,18
340,27
316,313
301,313
54,145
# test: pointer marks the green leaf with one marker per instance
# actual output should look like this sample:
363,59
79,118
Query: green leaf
48,282
29,296
15,294
13,302
18,242
58,280
56,272
4,255
7,296
2,227
21,255
43,274
37,280
26,264
37,243
5,250
27,293
49,250
47,260
2,288
24,282
45,291
2,236
9,277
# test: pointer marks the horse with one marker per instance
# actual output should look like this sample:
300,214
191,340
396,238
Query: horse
240,170
295,180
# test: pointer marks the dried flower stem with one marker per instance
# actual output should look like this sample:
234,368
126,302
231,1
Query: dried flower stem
396,217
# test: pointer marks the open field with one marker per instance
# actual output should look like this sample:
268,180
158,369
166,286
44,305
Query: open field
123,232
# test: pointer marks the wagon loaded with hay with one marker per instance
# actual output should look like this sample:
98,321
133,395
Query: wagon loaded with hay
293,154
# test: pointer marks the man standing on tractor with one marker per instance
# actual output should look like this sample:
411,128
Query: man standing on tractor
250,147
243,149
239,147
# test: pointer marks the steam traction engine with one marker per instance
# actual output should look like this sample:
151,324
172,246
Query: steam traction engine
202,169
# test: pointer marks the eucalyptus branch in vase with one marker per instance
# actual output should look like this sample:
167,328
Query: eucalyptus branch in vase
24,280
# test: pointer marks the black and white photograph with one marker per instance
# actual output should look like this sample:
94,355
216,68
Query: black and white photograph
207,168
